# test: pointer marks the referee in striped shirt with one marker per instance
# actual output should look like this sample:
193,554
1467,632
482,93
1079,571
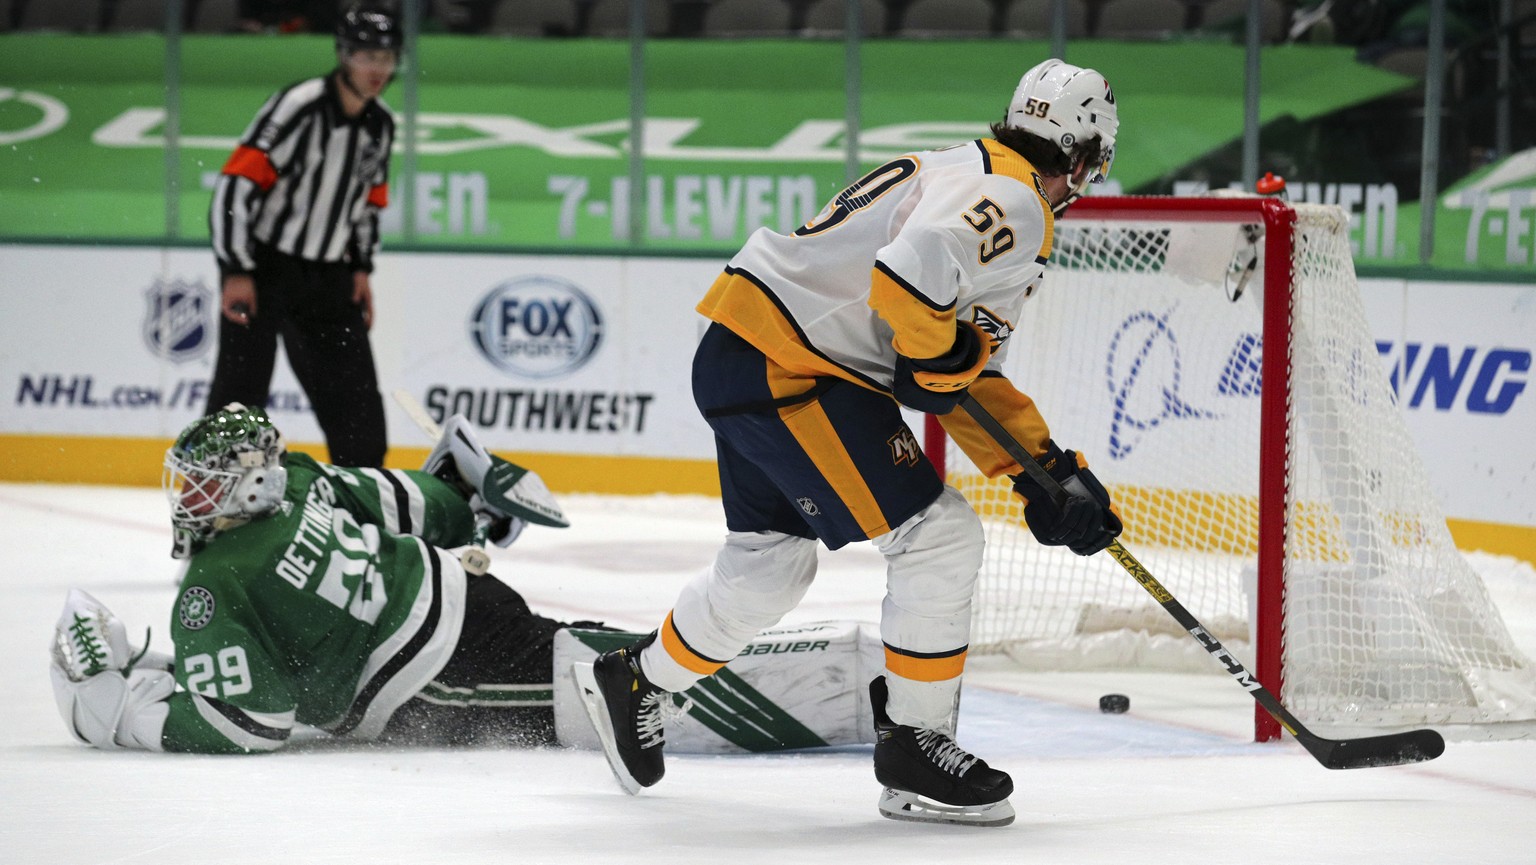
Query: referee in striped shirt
295,227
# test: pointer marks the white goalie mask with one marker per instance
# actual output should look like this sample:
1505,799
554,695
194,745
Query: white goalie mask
1070,107
223,470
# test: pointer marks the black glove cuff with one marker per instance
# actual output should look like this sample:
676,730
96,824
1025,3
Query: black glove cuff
962,355
916,397
1059,464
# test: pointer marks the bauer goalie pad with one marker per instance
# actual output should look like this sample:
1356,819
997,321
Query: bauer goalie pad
792,687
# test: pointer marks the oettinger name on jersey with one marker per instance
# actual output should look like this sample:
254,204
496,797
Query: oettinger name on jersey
365,598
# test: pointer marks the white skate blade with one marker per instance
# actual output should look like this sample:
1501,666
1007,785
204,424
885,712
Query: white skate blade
904,805
597,713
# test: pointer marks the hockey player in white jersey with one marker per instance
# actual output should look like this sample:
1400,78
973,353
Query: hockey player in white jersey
904,289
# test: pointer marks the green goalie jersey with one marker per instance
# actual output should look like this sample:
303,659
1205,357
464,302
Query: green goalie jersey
332,611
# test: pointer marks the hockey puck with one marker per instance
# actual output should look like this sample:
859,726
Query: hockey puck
1114,704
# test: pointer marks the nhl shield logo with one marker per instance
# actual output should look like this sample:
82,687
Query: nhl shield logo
370,160
177,319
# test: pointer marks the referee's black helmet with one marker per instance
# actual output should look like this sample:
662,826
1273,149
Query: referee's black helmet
367,26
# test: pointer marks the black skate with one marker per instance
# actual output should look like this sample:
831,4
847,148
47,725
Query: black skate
628,713
930,779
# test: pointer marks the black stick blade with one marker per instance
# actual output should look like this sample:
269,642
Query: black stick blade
1393,749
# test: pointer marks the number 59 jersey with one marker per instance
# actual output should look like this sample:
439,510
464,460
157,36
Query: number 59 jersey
891,263
332,611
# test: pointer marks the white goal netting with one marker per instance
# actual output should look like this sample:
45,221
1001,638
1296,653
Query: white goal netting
1144,351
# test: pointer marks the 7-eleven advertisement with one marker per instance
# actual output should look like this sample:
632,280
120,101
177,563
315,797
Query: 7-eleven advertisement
528,143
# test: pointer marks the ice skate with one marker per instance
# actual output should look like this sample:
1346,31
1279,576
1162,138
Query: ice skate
930,779
628,713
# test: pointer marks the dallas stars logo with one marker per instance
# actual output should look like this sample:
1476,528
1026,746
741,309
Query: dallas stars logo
196,608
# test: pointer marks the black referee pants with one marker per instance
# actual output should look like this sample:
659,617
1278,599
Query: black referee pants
308,304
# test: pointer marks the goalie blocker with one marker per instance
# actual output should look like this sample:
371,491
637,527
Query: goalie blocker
792,687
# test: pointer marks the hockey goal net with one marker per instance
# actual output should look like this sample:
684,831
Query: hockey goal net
1211,358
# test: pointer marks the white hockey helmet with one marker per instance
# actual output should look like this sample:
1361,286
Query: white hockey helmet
1070,107
223,470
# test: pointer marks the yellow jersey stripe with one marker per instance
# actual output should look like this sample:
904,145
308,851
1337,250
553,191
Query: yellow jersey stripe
1014,410
923,330
743,304
809,424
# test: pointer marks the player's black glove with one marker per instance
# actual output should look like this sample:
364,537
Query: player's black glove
936,385
1086,523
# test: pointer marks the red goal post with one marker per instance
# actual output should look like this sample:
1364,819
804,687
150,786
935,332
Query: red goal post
1211,358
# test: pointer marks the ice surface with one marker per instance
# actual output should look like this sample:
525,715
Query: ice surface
1176,780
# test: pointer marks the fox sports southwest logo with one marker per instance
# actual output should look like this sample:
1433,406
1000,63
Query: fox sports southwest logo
537,326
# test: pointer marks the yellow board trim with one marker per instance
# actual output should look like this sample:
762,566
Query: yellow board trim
136,462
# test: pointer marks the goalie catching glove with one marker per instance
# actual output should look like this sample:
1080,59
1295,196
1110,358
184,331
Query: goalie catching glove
1086,522
936,385
109,695
504,496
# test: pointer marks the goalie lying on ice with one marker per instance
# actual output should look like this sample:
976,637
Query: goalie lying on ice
326,597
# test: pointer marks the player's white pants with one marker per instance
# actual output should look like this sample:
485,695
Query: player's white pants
932,562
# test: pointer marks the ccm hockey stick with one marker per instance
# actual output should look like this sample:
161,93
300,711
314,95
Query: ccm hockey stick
475,559
1412,746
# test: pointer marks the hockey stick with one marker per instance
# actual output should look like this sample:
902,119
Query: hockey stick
475,559
1412,746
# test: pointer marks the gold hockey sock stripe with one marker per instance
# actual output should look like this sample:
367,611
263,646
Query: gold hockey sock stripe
679,651
925,666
